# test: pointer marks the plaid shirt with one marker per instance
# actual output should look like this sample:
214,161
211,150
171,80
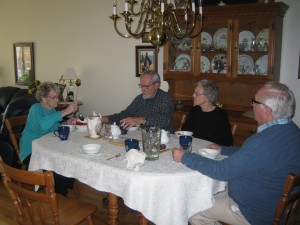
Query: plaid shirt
158,111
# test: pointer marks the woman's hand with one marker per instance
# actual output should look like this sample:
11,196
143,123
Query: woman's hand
177,154
71,121
72,108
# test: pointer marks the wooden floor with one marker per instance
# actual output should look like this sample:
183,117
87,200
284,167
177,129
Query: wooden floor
87,194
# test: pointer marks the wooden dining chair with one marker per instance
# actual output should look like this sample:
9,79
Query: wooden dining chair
233,128
45,206
179,119
289,201
15,127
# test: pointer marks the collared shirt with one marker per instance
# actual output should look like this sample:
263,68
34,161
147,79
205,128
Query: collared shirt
284,120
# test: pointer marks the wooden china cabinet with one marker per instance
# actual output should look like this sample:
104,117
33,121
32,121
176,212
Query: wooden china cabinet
239,48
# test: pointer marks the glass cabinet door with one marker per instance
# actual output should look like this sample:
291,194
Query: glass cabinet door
214,47
253,48
180,55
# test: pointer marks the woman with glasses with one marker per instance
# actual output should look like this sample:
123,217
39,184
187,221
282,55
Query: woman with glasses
42,119
206,120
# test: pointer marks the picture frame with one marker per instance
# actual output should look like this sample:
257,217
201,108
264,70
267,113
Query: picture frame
24,63
146,59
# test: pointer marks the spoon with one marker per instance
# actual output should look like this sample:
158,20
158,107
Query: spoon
115,156
81,117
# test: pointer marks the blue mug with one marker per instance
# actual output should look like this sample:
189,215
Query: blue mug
62,132
185,142
131,144
123,130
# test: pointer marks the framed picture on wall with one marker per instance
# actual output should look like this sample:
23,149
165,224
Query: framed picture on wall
146,59
24,63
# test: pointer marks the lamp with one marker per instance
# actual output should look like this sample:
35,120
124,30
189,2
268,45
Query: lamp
71,77
161,18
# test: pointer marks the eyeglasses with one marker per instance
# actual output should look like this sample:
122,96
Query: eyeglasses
253,101
198,94
53,97
146,86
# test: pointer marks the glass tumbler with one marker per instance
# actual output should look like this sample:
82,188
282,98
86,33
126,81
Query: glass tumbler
151,142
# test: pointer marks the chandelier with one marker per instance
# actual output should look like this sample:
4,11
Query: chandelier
163,19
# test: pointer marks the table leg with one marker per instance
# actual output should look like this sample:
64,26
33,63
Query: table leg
143,220
113,209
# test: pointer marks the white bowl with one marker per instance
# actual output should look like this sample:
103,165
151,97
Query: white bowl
133,128
72,127
91,148
182,132
209,153
81,127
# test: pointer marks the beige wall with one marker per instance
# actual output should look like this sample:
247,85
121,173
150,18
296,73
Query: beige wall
79,34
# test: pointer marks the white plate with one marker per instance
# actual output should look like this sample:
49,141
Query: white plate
182,63
206,41
261,65
263,37
220,39
246,64
219,59
205,64
245,39
91,148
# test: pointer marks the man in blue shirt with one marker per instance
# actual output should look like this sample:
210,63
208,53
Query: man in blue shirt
153,107
257,170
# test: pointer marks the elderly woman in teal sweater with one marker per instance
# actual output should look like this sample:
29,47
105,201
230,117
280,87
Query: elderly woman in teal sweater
257,170
43,118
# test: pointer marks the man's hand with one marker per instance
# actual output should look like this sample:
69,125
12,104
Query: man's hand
128,122
177,154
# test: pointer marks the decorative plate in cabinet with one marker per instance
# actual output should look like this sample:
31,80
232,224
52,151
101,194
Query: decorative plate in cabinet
246,65
182,63
205,64
218,63
246,41
261,65
206,41
220,39
262,40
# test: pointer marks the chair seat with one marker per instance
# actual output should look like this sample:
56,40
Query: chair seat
70,211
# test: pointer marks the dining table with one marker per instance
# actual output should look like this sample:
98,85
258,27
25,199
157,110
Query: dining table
163,191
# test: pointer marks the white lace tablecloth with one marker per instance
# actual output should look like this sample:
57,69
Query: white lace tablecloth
165,192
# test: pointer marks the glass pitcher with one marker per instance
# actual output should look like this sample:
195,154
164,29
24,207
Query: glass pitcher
151,142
